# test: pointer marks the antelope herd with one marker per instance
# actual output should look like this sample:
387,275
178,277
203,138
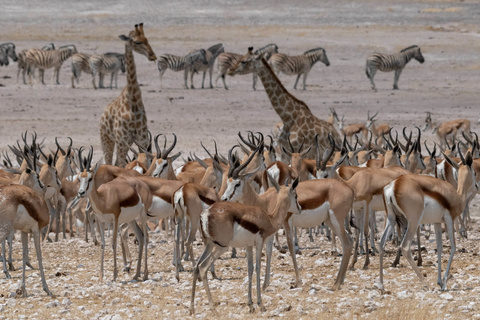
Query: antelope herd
304,176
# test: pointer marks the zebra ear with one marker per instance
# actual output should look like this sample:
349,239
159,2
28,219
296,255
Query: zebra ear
124,37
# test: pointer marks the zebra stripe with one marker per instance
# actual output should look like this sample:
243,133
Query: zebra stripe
110,62
175,63
298,65
80,63
7,50
227,60
46,59
205,60
391,62
22,61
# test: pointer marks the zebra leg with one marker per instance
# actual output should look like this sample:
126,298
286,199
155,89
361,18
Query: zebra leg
101,77
296,81
211,71
371,74
305,74
93,80
191,80
224,83
395,81
41,75
254,81
185,76
203,79
111,81
56,73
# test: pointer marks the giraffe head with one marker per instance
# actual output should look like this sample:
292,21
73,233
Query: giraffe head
246,64
139,43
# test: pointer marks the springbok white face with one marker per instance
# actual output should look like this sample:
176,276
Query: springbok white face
234,190
160,168
86,183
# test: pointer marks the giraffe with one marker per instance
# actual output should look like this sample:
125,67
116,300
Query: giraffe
297,118
124,119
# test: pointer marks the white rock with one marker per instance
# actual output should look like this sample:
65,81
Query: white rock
446,296
402,295
116,300
66,302
117,317
52,304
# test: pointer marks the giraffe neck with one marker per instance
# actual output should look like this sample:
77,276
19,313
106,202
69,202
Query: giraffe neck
130,66
282,101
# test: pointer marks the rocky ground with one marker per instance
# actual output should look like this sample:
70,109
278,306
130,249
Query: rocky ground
446,85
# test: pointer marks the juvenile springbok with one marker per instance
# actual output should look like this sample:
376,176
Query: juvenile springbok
447,130
227,224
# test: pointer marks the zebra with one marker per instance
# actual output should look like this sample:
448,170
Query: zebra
80,62
205,63
177,63
110,62
226,60
46,59
298,65
7,50
391,62
22,60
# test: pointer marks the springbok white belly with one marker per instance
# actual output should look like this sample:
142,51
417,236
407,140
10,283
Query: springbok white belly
242,237
160,208
433,212
130,213
23,221
311,218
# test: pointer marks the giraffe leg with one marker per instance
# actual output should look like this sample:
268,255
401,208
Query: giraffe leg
108,145
122,150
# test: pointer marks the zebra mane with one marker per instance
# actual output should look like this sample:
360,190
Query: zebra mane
314,50
215,48
267,66
118,55
68,46
7,45
411,47
268,46
196,55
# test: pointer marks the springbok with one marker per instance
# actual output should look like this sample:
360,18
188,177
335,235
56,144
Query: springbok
412,200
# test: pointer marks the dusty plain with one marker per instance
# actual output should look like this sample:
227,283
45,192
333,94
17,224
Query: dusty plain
447,85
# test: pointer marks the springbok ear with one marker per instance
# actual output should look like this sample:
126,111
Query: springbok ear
450,161
247,176
295,184
124,37
468,159
175,156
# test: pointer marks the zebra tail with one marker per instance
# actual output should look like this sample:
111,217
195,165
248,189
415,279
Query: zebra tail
367,71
